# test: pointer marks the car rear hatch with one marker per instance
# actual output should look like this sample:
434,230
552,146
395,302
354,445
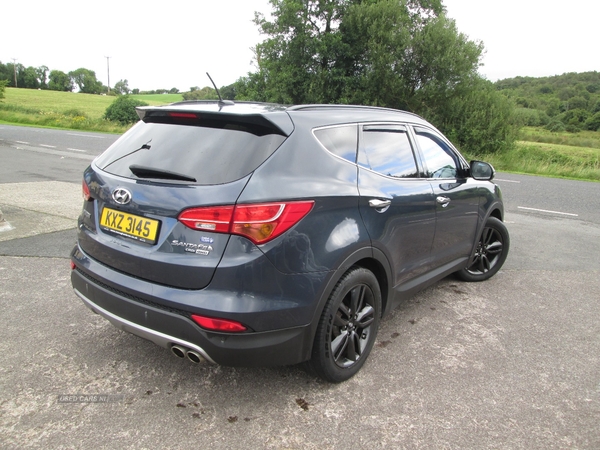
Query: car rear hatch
175,159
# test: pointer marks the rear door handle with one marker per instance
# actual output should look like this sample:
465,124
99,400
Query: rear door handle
443,201
380,205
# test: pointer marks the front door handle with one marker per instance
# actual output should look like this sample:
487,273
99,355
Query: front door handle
380,205
442,201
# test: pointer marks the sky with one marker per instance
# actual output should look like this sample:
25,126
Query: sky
161,45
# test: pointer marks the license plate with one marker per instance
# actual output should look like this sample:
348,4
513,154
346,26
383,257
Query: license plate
130,225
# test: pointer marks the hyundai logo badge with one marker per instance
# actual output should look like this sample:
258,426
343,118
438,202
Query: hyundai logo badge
122,196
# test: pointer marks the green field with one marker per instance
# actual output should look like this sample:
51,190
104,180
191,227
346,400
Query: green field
66,110
539,152
159,99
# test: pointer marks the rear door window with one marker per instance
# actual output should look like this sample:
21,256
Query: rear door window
386,149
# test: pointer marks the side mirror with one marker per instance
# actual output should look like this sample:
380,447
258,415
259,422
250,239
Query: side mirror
482,171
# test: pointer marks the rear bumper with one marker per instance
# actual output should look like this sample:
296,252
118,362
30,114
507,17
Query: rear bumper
167,327
161,339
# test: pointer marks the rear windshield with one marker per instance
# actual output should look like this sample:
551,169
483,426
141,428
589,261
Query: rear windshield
211,154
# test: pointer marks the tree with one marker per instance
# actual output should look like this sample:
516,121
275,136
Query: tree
122,110
480,120
121,87
86,80
593,122
299,62
60,81
206,93
403,54
30,78
574,119
3,84
42,76
228,92
4,72
15,71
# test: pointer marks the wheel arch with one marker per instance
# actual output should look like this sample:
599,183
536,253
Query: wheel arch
497,213
496,210
371,259
375,266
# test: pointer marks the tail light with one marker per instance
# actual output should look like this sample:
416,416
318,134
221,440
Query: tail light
258,222
216,218
85,191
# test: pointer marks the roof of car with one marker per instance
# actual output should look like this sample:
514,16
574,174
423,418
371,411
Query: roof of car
216,106
315,114
355,113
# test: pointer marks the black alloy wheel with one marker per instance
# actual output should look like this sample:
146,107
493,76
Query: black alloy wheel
490,253
348,326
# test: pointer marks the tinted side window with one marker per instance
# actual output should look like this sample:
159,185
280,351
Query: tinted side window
387,150
440,159
341,141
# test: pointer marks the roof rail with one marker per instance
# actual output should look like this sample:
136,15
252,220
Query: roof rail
196,102
314,107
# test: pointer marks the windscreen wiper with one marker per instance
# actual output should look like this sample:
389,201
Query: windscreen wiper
159,174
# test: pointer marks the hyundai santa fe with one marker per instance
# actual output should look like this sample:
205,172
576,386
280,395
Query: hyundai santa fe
254,234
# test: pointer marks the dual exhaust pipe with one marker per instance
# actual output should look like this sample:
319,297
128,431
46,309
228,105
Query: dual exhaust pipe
192,355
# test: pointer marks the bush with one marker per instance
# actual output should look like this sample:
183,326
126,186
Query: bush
3,84
555,125
575,117
480,121
578,103
531,117
593,122
122,110
206,93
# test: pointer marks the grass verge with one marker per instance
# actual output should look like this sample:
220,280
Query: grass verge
69,120
550,160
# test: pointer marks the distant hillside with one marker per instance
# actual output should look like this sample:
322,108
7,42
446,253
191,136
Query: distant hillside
568,102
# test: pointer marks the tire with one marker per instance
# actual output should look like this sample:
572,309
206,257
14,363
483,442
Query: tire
348,326
490,253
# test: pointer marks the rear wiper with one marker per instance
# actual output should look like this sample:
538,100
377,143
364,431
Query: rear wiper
149,172
146,146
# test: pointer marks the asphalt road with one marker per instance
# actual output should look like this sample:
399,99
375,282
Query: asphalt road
509,363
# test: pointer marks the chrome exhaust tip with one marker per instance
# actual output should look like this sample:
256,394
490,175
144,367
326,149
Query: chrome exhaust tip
178,351
194,357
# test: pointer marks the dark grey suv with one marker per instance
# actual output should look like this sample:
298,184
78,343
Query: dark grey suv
255,234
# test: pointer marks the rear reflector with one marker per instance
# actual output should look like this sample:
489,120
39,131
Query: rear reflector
258,222
210,323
